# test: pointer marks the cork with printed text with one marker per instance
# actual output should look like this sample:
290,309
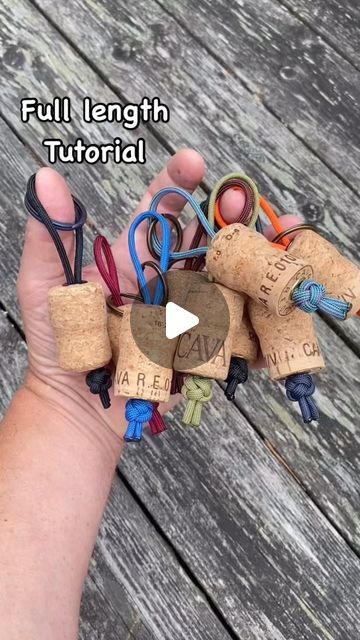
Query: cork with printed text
146,373
243,259
289,344
206,349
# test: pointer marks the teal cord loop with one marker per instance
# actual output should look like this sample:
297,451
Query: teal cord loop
300,388
310,296
191,253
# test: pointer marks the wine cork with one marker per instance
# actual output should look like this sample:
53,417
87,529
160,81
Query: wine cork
245,342
206,349
78,317
179,281
340,276
243,259
144,366
114,318
289,345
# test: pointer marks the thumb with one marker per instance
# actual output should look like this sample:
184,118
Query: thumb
41,267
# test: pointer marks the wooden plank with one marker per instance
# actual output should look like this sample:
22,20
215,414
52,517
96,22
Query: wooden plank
325,458
259,546
293,71
132,565
338,23
228,124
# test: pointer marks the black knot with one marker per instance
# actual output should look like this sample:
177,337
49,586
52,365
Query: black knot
238,374
99,382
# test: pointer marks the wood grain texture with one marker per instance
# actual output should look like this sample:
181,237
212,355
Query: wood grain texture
13,361
136,590
142,579
293,71
324,457
338,23
259,546
211,109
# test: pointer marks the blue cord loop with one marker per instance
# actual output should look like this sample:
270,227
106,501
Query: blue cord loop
164,255
300,388
137,411
191,253
310,296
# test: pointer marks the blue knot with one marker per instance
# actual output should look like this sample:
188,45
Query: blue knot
137,412
299,388
310,296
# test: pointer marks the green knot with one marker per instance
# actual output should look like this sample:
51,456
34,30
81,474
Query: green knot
196,391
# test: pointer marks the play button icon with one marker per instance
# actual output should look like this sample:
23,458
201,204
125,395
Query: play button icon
178,320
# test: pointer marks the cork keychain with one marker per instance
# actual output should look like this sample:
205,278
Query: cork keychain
106,265
77,309
197,387
244,260
196,390
338,274
145,358
292,352
245,345
177,280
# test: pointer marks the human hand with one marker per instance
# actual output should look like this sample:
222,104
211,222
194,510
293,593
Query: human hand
41,269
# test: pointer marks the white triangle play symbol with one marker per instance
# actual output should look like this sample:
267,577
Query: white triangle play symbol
178,320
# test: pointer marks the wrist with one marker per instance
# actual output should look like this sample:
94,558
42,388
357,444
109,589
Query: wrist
80,414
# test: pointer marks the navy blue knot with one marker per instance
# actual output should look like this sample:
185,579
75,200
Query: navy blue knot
238,374
310,296
137,412
300,388
99,382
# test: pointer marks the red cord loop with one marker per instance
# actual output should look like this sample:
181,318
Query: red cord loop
107,268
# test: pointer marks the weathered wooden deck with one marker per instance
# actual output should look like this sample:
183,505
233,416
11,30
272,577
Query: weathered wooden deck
248,528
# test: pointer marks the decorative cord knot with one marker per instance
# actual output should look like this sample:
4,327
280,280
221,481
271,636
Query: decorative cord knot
99,382
310,296
137,412
196,391
238,374
299,388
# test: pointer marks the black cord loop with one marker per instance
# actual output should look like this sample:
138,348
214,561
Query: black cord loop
37,211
